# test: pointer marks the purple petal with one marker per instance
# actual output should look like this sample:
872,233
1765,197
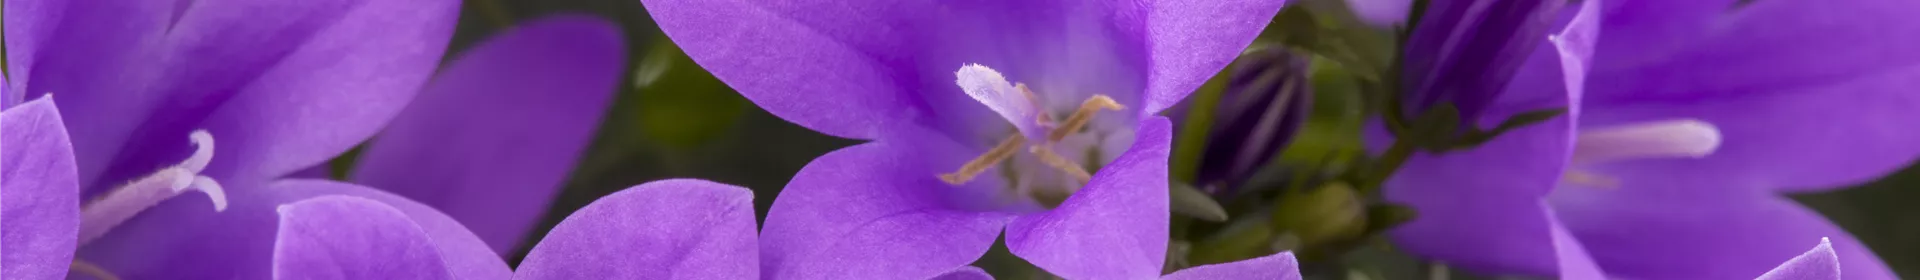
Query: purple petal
1820,263
491,140
1191,40
1479,208
1574,262
347,237
1677,232
965,273
333,92
876,211
1280,266
96,55
238,243
824,66
668,229
1768,75
1113,228
39,206
1787,140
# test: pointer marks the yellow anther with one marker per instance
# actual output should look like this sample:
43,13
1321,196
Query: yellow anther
1041,117
1063,164
1081,117
1000,153
1582,178
93,270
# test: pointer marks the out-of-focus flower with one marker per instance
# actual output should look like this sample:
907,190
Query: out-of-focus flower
671,229
39,195
1819,263
1698,115
146,87
1049,132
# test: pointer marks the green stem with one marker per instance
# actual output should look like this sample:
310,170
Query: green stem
1388,163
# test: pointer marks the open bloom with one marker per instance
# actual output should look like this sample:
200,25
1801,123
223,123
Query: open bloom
671,229
39,198
147,89
1695,117
1032,116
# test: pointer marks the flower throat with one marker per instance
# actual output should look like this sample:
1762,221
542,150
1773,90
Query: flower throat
1017,103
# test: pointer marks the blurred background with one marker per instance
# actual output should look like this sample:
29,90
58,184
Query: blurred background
673,120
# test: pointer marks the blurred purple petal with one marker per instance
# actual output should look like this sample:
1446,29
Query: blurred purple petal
1770,76
1820,263
1280,266
1480,208
1574,262
672,229
319,104
965,273
875,210
815,64
39,195
1674,231
238,243
491,140
97,55
1116,227
1191,40
347,237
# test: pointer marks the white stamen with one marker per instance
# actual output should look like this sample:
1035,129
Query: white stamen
1682,138
202,153
121,204
989,87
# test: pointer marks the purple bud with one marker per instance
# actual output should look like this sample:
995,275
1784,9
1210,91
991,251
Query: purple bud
1464,52
1266,100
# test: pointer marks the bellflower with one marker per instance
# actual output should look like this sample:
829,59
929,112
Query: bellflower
1032,116
146,88
671,229
1699,114
39,196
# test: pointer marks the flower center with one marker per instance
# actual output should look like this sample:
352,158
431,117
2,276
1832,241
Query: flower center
1678,138
1037,131
103,214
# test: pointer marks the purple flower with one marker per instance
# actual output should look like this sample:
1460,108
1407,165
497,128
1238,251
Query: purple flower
1032,116
1699,114
39,201
671,229
1819,263
147,87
